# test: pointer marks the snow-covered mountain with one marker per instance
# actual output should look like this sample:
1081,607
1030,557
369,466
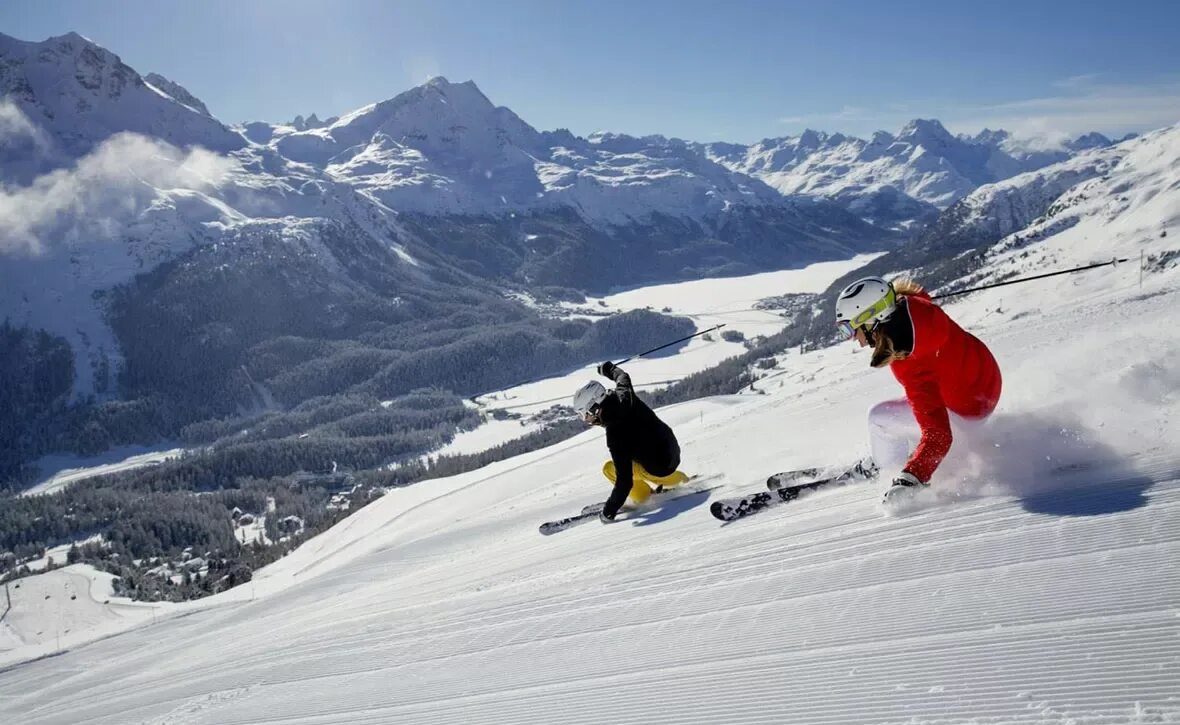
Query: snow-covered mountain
113,175
121,175
445,149
996,210
177,92
80,93
892,178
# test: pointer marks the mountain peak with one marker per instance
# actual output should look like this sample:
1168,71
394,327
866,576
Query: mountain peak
70,38
922,130
992,138
466,91
1092,140
81,93
437,117
810,138
299,123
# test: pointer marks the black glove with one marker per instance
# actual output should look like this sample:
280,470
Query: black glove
607,370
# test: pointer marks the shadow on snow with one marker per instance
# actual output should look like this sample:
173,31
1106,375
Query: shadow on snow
671,508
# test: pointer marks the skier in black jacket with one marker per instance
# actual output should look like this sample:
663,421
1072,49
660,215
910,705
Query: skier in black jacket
643,449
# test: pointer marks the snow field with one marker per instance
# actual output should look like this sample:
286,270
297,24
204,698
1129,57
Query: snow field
64,608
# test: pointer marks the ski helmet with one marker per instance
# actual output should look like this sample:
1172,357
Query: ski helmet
588,398
866,300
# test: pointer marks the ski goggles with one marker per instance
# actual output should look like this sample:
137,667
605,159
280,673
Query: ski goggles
591,414
848,328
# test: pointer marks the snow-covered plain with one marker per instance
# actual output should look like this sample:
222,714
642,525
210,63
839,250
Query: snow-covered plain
1036,583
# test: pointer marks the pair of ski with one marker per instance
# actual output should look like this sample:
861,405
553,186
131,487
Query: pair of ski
781,488
591,511
788,486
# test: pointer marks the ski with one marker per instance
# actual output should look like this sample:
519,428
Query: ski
591,511
786,479
552,527
731,509
784,487
862,470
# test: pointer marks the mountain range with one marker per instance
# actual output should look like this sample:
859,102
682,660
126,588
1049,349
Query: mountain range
174,256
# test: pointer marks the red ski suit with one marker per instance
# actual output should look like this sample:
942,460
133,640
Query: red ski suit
949,369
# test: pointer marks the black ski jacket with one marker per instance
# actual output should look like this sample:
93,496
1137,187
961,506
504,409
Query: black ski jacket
634,433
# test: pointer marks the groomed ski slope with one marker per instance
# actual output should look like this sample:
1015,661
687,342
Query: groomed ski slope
1026,598
1038,583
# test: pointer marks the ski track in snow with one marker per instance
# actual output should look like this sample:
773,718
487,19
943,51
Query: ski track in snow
775,623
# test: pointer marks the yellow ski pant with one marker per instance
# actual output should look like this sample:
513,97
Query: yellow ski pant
640,488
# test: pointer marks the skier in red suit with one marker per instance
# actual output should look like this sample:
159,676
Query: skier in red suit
944,370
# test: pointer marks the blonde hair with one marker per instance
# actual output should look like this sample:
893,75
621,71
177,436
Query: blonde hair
883,350
906,286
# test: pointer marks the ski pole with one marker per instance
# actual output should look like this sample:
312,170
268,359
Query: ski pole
474,400
670,344
1030,279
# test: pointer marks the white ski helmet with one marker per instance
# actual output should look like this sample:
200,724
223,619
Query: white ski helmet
588,396
866,300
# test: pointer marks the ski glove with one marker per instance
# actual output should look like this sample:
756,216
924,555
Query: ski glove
607,370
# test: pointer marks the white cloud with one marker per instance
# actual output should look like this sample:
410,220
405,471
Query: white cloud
101,192
421,68
1081,80
847,113
16,130
1076,105
1088,106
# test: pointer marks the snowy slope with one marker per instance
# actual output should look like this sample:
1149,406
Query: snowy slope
64,608
999,209
61,470
1035,584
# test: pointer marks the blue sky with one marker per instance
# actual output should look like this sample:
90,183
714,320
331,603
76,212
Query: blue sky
734,71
